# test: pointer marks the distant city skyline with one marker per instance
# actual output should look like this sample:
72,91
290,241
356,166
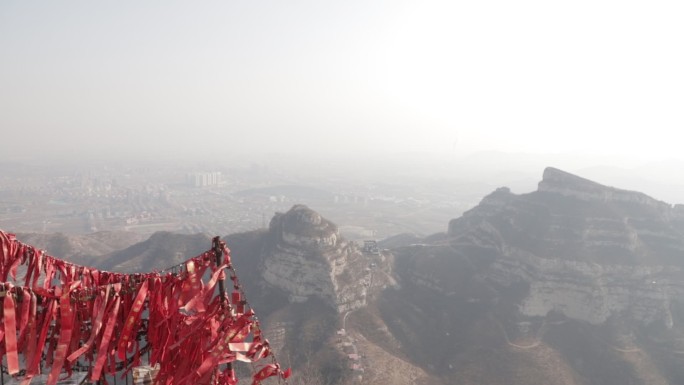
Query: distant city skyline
185,79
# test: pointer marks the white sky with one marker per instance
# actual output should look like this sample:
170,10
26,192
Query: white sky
163,77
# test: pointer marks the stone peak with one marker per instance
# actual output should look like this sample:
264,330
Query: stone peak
563,179
305,215
302,221
565,183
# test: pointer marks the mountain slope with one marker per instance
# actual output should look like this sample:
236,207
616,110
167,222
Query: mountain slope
81,248
162,250
575,283
588,274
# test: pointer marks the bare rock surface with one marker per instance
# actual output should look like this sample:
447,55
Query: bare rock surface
308,258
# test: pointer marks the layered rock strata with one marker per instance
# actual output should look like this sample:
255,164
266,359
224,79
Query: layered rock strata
583,249
307,258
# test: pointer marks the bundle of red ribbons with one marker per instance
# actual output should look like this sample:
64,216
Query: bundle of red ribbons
64,316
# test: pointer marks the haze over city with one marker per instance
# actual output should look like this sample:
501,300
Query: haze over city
343,79
424,192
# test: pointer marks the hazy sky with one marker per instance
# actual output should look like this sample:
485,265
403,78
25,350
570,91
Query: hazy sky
163,77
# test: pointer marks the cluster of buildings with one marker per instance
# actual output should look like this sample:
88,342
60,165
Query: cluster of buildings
204,179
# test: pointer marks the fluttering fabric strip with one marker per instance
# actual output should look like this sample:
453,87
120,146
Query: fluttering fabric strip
67,312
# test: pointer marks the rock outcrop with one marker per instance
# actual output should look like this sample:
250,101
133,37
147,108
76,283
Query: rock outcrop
576,275
308,258
561,182
586,250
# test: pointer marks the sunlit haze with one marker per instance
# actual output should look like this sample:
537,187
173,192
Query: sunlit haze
431,192
132,79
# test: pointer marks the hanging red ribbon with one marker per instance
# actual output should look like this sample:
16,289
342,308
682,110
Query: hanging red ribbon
66,329
99,307
107,335
270,370
127,335
10,321
66,312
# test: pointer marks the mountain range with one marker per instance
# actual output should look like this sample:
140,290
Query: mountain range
575,283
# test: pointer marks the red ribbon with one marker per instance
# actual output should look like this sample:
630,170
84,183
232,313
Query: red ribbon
198,303
32,339
192,285
189,330
10,321
24,310
132,320
267,371
66,328
99,307
107,335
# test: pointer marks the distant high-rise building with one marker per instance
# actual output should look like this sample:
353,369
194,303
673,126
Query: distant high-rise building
204,179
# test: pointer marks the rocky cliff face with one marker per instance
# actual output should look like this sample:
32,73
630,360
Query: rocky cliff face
586,276
586,250
561,182
308,258
593,292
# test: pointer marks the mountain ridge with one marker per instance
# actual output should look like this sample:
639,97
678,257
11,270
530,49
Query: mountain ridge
575,283
557,181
